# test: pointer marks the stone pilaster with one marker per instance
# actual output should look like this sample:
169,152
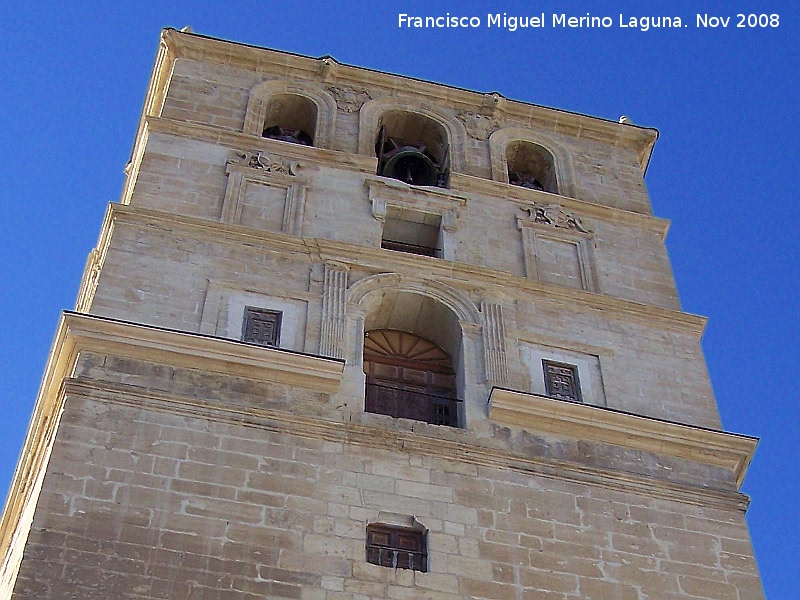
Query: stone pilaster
334,286
494,343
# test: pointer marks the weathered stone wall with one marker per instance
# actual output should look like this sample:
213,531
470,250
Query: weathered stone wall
167,276
141,503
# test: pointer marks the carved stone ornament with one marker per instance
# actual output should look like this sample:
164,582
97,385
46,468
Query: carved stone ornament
479,127
348,99
553,215
263,162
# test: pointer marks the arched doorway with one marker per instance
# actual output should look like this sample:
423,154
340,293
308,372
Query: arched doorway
408,376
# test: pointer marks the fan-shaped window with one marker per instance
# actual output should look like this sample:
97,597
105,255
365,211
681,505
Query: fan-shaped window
531,166
290,118
409,377
413,149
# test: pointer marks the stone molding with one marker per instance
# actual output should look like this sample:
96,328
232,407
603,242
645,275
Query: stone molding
262,60
370,258
89,281
551,222
582,421
385,192
78,332
216,319
263,169
362,290
450,445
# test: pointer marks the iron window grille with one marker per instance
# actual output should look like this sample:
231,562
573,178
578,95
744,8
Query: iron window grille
561,381
411,248
261,326
407,403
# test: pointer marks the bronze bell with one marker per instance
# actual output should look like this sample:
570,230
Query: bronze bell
411,166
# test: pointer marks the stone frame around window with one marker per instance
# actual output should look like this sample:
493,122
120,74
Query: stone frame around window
388,196
590,363
225,302
564,171
258,102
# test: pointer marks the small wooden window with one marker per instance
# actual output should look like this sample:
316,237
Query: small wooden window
261,326
397,547
561,381
409,377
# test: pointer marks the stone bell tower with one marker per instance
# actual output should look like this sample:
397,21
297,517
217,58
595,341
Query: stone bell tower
349,335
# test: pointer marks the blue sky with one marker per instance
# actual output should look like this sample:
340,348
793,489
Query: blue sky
724,169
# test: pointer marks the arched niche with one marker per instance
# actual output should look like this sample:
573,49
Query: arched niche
531,166
423,321
438,131
284,103
540,156
290,118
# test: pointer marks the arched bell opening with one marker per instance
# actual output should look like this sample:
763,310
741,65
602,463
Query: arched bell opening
531,166
412,359
413,148
290,118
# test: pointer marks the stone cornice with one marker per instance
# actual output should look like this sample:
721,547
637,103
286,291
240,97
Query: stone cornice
449,445
78,333
466,184
395,189
196,351
199,47
461,185
457,274
379,260
237,141
581,421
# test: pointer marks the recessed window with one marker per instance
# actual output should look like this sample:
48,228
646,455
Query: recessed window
413,232
409,377
561,381
261,326
397,547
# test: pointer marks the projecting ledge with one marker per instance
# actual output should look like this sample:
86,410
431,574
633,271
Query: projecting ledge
80,332
580,421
